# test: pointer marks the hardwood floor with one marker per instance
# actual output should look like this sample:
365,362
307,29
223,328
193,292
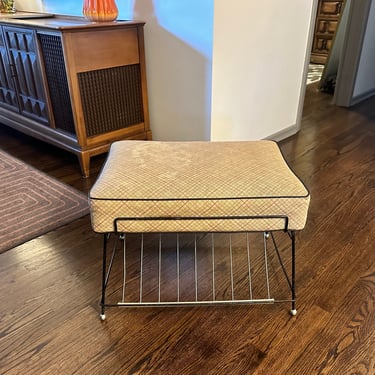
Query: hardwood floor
50,286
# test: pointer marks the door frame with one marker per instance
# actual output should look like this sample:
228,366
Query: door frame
310,39
351,53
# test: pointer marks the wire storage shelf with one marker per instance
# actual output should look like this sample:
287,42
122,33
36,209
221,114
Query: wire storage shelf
173,269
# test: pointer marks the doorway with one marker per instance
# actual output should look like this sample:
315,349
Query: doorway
348,68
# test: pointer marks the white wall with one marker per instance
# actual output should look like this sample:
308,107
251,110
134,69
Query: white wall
178,38
30,5
365,81
259,54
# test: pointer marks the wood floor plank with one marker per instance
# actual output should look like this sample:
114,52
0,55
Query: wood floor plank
50,286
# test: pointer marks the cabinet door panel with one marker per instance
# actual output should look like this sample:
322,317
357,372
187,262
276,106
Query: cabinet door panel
24,60
331,8
8,97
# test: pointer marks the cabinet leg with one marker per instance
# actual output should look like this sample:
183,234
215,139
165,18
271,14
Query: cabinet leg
84,162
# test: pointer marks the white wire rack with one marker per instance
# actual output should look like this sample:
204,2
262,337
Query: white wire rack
197,269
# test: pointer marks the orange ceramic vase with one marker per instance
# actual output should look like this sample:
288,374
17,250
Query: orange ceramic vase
100,10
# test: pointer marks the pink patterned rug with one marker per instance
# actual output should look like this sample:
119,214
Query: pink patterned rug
33,203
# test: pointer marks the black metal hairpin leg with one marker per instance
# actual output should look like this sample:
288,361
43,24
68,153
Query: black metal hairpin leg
104,284
293,311
290,278
106,271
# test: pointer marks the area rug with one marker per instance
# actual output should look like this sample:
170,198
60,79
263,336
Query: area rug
33,203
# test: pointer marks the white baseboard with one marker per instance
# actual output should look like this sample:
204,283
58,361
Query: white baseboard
360,98
285,133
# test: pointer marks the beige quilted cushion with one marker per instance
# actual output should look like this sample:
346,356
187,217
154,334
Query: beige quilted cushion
197,187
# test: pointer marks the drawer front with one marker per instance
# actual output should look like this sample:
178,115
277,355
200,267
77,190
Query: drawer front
88,51
322,45
331,8
326,26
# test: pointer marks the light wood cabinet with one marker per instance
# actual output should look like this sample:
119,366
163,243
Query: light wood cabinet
327,19
75,84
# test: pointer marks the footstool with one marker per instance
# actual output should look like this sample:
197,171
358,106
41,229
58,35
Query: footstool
194,187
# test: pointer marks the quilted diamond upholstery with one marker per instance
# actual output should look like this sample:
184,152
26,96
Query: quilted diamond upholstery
232,186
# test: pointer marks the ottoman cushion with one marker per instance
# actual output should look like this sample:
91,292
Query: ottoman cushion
151,186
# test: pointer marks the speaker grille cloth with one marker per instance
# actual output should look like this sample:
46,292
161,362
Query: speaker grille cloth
57,81
111,98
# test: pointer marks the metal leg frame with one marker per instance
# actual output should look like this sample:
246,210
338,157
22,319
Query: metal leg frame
291,281
106,271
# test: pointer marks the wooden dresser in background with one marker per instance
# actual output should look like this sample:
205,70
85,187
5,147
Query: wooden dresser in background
327,19
76,84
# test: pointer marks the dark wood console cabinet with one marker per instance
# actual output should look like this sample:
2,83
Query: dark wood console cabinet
75,84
